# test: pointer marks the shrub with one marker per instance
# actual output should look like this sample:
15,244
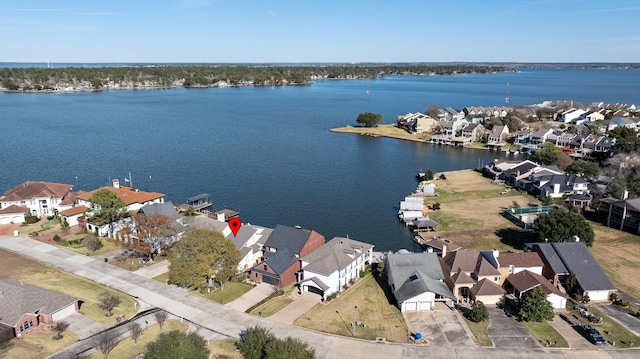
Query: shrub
478,312
435,206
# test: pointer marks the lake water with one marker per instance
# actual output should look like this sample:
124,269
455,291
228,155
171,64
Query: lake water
268,152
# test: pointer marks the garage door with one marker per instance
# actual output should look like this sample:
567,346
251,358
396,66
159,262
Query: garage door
424,306
410,306
269,280
63,313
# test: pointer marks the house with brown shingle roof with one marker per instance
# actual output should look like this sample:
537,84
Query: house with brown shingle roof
487,292
508,263
474,265
330,268
520,283
42,198
24,307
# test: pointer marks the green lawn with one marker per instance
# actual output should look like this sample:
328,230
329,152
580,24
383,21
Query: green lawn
373,298
82,289
224,349
128,349
545,334
479,330
163,278
38,344
272,307
231,291
108,245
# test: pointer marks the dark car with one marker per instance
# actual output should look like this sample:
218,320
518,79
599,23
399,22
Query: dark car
592,334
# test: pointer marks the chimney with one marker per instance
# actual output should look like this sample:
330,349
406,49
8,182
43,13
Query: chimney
575,239
220,217
556,188
625,195
496,253
444,250
116,183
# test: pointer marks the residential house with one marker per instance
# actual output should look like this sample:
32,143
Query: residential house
454,127
74,215
540,136
440,246
417,123
24,307
281,253
523,136
571,115
559,185
523,174
498,136
594,116
508,263
622,214
249,240
605,144
13,214
567,258
623,122
417,281
528,111
487,292
330,268
473,132
448,114
520,283
474,266
41,198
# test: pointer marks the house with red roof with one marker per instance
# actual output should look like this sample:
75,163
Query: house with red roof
520,283
39,197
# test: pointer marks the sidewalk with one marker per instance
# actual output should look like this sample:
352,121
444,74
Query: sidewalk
252,297
300,305
154,270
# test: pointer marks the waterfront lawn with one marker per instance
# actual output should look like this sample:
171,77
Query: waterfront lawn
127,349
231,291
37,344
545,334
383,130
44,226
480,331
273,306
82,289
376,310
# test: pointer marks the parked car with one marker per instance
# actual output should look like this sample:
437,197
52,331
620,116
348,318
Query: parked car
592,334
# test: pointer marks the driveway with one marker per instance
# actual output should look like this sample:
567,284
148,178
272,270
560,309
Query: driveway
84,327
300,305
630,322
575,339
506,332
153,270
440,327
252,297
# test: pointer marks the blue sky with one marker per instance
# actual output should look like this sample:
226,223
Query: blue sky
319,31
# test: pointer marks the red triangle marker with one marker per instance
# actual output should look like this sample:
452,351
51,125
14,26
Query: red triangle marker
235,224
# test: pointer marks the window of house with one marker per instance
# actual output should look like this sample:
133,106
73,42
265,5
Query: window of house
21,327
31,323
264,267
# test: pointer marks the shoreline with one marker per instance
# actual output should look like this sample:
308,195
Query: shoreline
383,131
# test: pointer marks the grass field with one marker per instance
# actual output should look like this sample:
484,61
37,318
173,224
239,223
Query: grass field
382,318
231,291
272,307
128,349
545,334
381,130
108,245
224,349
36,345
480,331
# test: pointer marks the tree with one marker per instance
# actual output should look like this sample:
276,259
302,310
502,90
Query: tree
59,327
92,242
106,207
148,234
161,317
260,343
534,306
175,344
478,312
369,119
253,341
586,169
627,139
433,111
201,257
550,154
428,176
108,301
106,341
290,348
136,330
560,225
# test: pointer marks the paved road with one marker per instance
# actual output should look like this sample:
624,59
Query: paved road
227,322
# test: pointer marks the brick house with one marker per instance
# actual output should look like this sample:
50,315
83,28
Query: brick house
281,255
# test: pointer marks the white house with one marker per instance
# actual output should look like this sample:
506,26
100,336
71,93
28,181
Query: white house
572,114
330,268
520,283
41,198
417,281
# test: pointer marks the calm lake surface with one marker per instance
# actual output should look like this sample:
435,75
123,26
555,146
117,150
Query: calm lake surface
268,152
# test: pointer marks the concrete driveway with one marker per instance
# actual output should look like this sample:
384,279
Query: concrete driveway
575,339
440,327
84,327
300,305
626,320
506,332
250,298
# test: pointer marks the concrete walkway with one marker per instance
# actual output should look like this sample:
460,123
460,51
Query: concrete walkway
154,270
300,305
252,297
506,332
228,322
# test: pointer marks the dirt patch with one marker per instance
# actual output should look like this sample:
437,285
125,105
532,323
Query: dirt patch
13,265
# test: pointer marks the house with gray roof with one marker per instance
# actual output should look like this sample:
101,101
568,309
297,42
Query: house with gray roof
417,281
24,307
165,209
281,254
565,258
559,185
249,240
330,268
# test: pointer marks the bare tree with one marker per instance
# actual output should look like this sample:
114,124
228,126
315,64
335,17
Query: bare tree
92,242
108,301
59,327
136,331
161,317
105,342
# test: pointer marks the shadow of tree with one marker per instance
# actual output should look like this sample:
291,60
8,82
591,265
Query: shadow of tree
516,237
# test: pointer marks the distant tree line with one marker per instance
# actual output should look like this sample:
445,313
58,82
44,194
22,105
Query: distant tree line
96,78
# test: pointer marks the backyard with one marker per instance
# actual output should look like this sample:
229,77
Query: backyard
374,310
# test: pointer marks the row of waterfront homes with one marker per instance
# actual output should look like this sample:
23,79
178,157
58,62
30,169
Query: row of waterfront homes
474,124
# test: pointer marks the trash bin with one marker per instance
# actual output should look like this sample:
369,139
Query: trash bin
106,260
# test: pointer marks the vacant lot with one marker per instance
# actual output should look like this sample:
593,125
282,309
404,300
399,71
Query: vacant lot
471,212
12,265
374,309
381,130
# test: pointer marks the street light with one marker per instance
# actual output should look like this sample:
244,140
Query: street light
355,319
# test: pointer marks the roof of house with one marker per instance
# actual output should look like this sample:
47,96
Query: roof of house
439,244
33,189
469,261
335,255
127,194
523,167
416,273
71,198
280,260
470,127
460,277
516,259
73,211
497,131
288,242
526,280
13,209
19,298
633,203
577,258
548,253
318,282
165,209
486,287
246,232
207,223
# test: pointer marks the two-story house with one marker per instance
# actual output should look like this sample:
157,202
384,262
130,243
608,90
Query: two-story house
38,198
